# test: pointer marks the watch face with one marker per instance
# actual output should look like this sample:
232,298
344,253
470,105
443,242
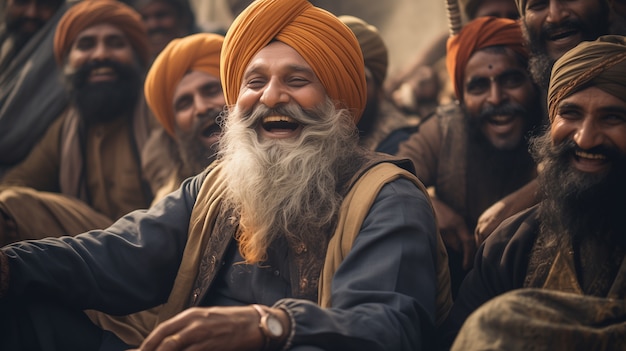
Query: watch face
274,326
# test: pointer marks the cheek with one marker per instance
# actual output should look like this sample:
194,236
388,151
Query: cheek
184,121
559,130
473,104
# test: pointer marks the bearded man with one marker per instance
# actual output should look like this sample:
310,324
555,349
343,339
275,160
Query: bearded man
28,73
293,238
474,151
85,172
553,27
184,92
566,254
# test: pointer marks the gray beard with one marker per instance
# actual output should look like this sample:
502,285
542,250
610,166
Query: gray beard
288,188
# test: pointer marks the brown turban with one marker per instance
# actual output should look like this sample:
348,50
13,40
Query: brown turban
326,44
197,52
88,13
600,63
372,46
478,34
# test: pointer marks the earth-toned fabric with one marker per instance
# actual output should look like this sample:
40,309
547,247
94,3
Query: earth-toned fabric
476,35
375,53
88,13
600,63
197,52
557,320
327,45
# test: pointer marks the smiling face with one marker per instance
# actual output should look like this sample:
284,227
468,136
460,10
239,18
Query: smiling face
552,27
197,102
100,43
278,76
499,97
596,122
26,17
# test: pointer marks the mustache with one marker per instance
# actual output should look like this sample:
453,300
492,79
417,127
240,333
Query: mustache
18,23
79,77
292,110
568,25
508,109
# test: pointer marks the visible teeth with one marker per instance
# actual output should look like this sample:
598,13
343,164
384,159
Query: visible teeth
583,154
102,70
270,119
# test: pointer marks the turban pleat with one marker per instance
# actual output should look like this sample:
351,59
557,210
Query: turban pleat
600,63
328,46
88,13
478,34
197,52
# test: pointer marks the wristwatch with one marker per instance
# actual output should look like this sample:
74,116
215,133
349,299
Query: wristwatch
271,328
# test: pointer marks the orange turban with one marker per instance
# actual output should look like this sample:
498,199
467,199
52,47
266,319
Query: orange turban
326,44
478,34
600,63
88,13
197,52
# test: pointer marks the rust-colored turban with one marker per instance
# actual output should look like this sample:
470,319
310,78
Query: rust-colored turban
600,63
197,52
373,47
327,45
478,34
88,13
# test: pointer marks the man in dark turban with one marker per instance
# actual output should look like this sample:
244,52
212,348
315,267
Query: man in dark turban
474,151
293,238
85,172
555,26
382,126
566,254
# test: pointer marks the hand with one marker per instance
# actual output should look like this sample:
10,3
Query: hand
208,328
454,232
517,201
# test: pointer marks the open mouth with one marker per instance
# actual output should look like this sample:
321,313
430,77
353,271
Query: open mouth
500,120
279,123
589,156
102,73
562,34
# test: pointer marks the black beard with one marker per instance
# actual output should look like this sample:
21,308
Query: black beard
578,204
105,101
540,62
194,156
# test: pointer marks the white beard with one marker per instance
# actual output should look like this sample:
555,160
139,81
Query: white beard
286,187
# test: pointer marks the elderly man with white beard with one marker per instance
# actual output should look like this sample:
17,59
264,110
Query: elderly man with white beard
294,238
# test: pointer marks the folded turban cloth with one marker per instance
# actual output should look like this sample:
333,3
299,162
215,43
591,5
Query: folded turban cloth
88,13
600,63
197,52
325,43
373,47
478,34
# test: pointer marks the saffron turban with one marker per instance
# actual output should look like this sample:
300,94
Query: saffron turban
327,45
600,63
478,34
373,48
88,13
196,52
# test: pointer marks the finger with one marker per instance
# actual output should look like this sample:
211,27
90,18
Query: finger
169,330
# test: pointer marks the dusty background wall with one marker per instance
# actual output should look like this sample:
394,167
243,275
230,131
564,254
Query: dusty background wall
407,26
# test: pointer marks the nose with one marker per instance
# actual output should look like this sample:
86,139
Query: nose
274,94
588,135
496,94
100,52
557,11
203,104
31,10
